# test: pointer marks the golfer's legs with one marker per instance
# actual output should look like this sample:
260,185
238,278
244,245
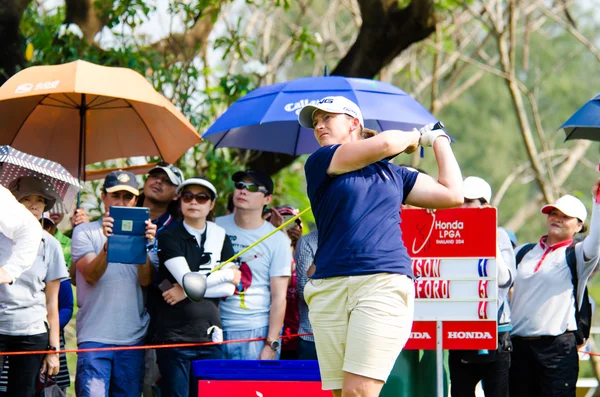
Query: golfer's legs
382,307
328,304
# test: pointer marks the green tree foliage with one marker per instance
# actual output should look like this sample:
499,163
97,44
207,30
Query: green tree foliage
560,72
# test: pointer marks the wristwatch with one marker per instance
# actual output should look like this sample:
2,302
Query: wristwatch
273,344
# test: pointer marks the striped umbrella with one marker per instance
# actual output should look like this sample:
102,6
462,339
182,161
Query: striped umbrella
15,164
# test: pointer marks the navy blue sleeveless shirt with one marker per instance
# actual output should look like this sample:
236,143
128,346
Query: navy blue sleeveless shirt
358,217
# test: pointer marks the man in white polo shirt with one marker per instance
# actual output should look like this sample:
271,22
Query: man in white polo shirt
545,360
469,367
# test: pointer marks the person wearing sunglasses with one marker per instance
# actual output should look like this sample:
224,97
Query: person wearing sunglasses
195,245
258,307
361,296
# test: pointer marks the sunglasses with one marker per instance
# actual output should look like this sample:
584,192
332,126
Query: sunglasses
251,187
201,198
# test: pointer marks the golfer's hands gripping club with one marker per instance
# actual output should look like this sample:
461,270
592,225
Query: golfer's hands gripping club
431,132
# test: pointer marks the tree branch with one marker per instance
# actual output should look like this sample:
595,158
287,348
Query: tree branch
386,31
11,53
533,205
574,32
188,44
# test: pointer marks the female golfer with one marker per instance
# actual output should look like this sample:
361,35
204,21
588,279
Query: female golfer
545,360
361,295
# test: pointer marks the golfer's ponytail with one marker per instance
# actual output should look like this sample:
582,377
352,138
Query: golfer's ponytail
367,133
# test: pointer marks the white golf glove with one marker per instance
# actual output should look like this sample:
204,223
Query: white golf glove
429,135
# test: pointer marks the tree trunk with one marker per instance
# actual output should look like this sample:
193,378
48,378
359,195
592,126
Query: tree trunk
386,31
12,44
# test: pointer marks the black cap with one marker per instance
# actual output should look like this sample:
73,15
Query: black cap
121,180
259,177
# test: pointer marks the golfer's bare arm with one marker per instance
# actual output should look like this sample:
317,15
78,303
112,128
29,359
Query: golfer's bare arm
447,191
352,156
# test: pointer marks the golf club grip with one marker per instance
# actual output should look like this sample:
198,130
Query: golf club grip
438,126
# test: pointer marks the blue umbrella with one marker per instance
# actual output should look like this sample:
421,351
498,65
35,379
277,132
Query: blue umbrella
266,119
585,123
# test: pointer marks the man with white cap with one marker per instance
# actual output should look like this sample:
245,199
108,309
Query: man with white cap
19,225
469,367
547,300
159,193
160,197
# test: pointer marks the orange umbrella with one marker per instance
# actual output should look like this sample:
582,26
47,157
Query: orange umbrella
80,113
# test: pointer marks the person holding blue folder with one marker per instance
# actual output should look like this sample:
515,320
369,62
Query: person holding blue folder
109,295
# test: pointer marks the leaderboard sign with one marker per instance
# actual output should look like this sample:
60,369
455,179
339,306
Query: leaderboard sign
453,257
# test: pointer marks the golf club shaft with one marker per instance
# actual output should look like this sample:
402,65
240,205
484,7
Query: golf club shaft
248,248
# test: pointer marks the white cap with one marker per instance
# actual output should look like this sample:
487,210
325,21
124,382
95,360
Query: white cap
331,104
197,181
568,205
175,175
476,188
46,216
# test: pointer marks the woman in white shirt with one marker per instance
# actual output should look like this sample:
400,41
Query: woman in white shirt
545,360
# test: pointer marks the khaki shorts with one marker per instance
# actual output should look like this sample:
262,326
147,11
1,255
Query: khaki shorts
360,324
